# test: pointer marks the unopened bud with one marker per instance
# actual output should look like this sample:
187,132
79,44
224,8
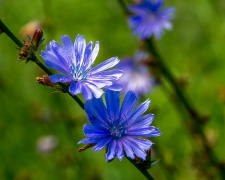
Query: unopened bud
37,38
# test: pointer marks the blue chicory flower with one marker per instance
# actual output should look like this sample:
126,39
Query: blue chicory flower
136,77
76,61
118,127
150,18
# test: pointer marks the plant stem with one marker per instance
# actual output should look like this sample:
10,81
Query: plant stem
143,171
167,73
65,87
124,7
196,127
35,59
10,34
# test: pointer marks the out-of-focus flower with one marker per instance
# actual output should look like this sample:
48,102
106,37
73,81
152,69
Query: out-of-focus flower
150,18
76,62
136,75
47,144
118,127
30,27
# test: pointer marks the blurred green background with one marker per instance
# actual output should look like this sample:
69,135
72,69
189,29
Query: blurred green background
194,50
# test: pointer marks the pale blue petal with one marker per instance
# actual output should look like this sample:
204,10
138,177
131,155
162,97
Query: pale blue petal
80,45
69,48
114,87
87,56
53,62
60,78
86,92
99,83
60,53
101,77
93,55
115,73
75,88
96,91
105,65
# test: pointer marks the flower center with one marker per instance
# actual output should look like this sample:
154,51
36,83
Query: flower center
77,74
117,131
152,17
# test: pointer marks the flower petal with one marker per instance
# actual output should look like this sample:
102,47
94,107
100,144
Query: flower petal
115,72
127,106
87,56
104,142
105,65
53,62
142,143
86,92
139,132
99,83
136,149
96,91
75,88
93,55
94,132
138,112
69,48
60,78
154,132
127,149
90,140
114,87
112,99
142,122
111,151
60,53
119,152
80,45
96,108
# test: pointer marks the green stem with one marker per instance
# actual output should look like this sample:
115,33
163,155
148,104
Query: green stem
167,73
35,59
143,171
10,34
124,7
196,125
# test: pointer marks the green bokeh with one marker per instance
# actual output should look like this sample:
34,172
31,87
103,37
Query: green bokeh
194,49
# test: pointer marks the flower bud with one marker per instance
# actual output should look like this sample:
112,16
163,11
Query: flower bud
37,38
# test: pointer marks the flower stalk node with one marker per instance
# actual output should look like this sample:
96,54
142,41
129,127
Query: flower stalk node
29,47
46,82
